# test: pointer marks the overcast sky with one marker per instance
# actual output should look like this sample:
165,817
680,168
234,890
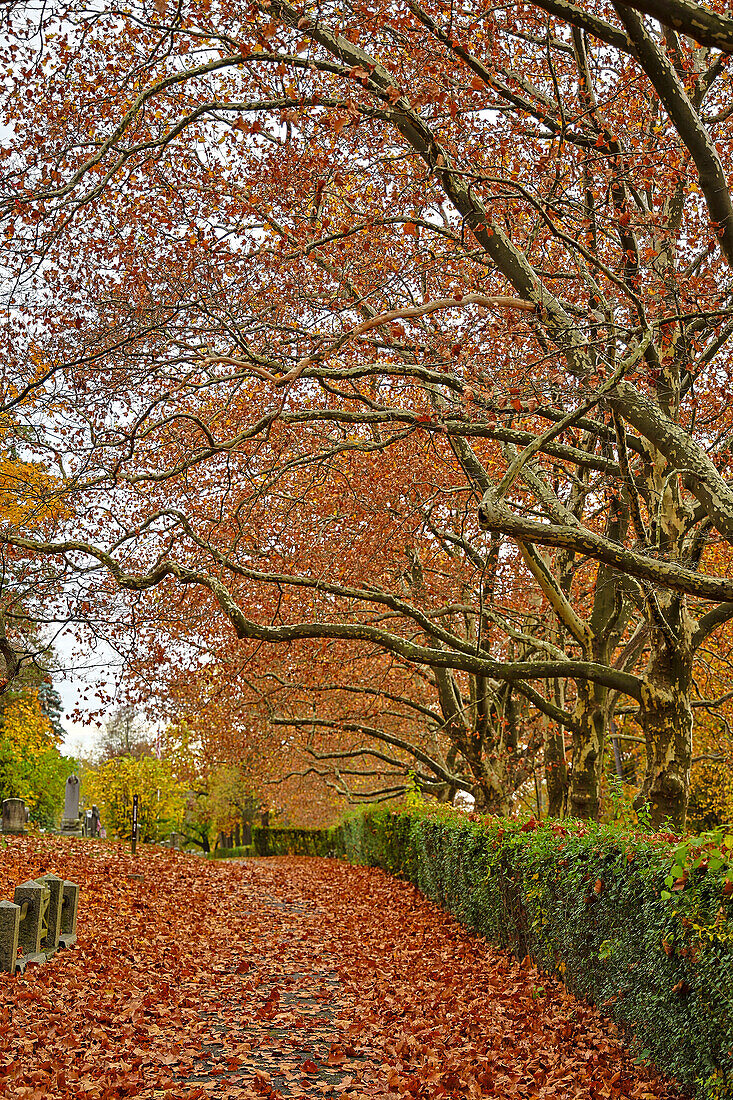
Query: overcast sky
83,674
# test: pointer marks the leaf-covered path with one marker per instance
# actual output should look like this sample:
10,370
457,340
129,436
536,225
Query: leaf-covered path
284,978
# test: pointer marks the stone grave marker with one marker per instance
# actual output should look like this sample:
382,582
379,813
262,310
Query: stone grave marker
34,898
41,919
15,816
70,824
50,941
9,932
69,908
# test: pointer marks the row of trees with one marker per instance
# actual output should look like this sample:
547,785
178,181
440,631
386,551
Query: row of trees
381,356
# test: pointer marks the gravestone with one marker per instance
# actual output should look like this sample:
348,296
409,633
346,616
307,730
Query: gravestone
70,824
15,816
9,930
69,908
95,821
34,922
50,942
40,919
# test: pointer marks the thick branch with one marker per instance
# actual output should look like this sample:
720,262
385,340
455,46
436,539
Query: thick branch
417,654
496,517
697,22
670,90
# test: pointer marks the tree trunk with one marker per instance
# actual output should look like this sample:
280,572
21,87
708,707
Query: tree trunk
491,799
556,773
666,720
588,743
591,711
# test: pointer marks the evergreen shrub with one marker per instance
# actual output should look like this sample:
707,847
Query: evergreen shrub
640,925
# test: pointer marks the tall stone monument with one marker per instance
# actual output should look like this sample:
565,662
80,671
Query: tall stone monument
70,823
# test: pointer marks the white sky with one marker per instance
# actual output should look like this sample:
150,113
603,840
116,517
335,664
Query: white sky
83,674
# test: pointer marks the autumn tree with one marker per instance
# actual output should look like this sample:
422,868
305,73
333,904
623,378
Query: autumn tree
212,756
32,765
480,261
124,734
161,796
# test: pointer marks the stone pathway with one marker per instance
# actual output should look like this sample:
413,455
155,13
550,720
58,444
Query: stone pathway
291,1044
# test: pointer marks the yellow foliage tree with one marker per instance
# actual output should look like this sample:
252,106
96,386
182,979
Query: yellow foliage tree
26,726
161,797
30,495
31,765
29,492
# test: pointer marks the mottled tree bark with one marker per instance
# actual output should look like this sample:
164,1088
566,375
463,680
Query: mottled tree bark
588,744
666,718
556,773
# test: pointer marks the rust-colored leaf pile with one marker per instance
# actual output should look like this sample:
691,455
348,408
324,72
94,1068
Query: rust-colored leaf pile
284,978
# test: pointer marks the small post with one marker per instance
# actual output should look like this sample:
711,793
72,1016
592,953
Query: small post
9,931
69,909
134,823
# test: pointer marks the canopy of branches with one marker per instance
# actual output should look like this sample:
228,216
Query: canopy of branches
376,360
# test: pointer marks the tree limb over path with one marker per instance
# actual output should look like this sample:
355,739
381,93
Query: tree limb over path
437,657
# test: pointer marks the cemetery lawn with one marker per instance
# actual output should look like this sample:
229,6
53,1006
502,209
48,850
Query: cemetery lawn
286,977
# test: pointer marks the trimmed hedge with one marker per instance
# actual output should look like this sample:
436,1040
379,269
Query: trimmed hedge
644,933
268,841
290,842
232,853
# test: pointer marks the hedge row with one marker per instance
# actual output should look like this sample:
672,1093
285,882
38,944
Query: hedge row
232,853
267,841
642,926
290,842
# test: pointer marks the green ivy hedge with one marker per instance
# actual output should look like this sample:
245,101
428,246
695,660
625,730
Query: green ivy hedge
640,925
290,842
268,841
232,853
